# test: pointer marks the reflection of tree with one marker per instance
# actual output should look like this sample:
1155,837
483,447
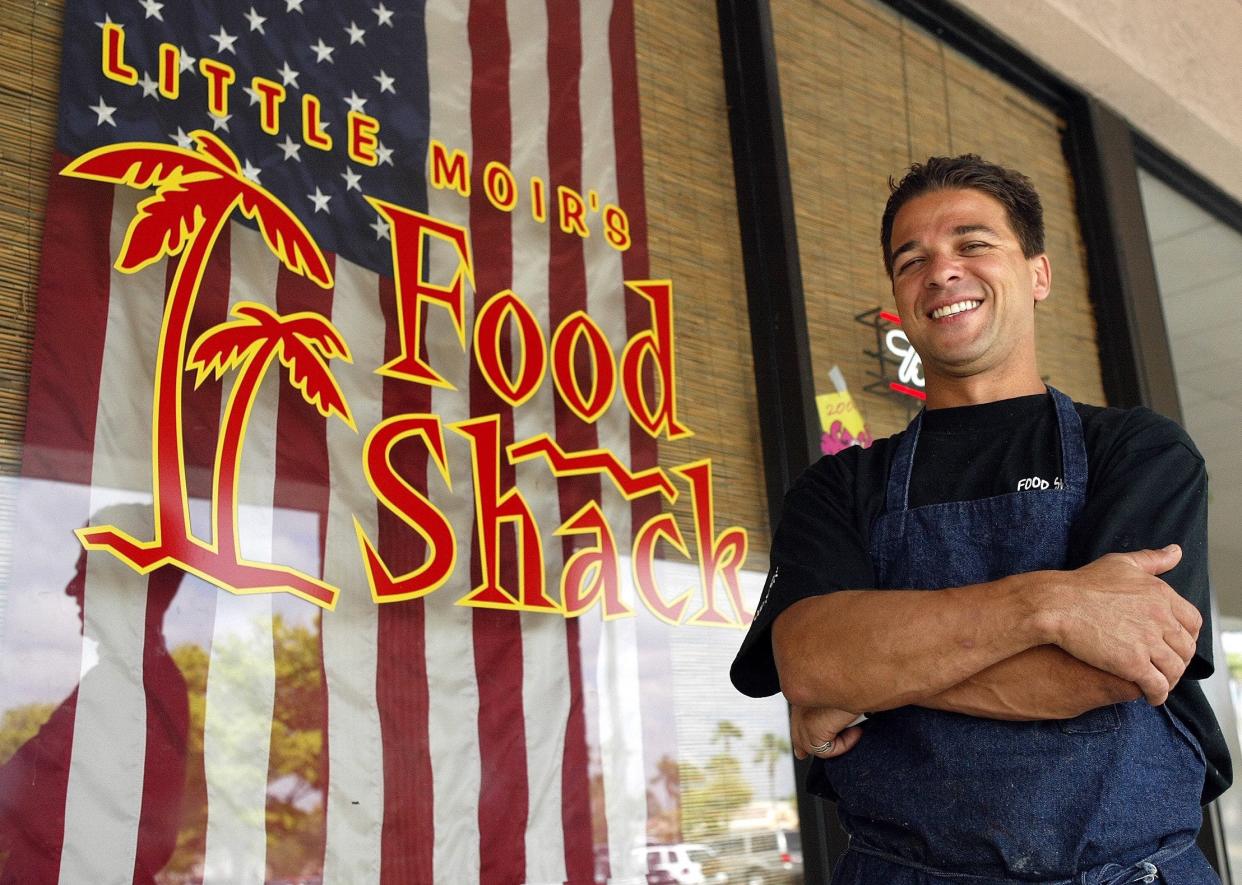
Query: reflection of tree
712,795
295,798
664,816
771,750
19,725
725,732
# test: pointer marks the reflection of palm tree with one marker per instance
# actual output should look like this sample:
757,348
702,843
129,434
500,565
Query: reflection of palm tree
725,732
668,778
772,749
301,342
196,193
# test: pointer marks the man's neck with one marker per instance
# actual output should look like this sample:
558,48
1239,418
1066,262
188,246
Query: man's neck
948,392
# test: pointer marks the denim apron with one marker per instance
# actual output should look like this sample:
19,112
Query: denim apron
928,796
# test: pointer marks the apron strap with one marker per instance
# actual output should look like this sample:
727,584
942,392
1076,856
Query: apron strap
898,494
1073,445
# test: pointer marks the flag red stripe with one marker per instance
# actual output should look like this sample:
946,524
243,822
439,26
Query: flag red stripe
168,720
567,293
401,689
656,660
503,808
66,359
70,326
301,487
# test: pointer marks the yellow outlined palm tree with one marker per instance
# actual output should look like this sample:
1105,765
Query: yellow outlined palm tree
303,343
196,192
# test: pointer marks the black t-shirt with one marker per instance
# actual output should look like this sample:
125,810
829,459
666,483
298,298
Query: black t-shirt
1146,487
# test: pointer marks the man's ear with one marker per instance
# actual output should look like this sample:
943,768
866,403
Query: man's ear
1041,276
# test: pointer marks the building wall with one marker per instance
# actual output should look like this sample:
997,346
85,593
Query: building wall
1172,70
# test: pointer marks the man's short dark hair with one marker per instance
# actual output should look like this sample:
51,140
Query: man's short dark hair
969,172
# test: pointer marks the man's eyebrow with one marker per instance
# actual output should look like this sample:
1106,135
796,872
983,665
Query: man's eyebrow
962,230
904,247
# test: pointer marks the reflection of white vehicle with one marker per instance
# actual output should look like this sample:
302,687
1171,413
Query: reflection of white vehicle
711,863
761,857
675,863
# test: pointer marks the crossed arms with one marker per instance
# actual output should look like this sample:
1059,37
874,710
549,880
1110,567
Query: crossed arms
1041,645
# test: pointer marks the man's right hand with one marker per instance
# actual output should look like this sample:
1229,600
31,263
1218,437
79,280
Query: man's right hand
1117,615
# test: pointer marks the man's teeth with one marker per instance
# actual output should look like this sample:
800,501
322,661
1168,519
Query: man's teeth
950,309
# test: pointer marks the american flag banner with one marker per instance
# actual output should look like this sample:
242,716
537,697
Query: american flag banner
343,539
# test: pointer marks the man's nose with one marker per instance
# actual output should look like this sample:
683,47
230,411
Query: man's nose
942,270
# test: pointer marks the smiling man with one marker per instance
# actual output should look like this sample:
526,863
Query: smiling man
1013,589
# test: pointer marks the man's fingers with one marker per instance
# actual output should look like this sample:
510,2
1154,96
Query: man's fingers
1182,643
1155,686
1170,665
1187,615
1156,562
842,743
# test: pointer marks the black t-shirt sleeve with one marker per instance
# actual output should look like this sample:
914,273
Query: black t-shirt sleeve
1148,488
818,547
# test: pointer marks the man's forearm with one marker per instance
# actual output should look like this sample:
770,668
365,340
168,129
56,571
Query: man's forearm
870,650
1039,683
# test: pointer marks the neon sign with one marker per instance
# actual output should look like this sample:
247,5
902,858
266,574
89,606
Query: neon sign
900,368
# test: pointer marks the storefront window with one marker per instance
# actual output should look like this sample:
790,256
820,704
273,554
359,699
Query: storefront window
386,502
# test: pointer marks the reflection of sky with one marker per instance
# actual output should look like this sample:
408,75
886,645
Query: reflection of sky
685,689
41,647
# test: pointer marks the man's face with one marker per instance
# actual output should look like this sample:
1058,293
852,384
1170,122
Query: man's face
965,292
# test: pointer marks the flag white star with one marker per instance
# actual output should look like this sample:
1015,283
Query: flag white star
383,14
224,41
251,172
181,138
187,60
355,102
355,34
103,113
323,52
293,5
380,228
320,199
351,180
218,123
150,88
385,82
256,21
290,148
152,9
255,95
107,21
384,154
288,75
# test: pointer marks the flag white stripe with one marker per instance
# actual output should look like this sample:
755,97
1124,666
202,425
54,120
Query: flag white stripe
452,720
241,676
545,689
355,803
620,727
104,795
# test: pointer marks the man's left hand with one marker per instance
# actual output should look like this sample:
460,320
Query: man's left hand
812,727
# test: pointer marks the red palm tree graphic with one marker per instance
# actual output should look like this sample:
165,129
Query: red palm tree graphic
196,193
303,342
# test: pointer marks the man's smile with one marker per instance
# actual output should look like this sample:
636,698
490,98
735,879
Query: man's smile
956,307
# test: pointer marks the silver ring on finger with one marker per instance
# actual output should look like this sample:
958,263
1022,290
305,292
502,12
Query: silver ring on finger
817,749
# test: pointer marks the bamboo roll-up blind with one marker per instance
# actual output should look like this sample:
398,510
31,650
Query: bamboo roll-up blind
694,240
29,83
